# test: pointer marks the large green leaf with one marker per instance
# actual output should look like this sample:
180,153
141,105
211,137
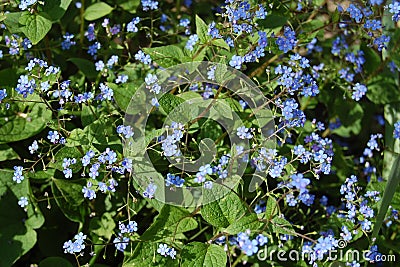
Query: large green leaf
129,5
145,254
165,56
17,236
56,8
202,30
69,197
55,261
97,11
170,222
123,93
35,27
242,224
225,211
383,90
169,102
103,226
391,168
7,153
198,254
22,125
87,67
12,21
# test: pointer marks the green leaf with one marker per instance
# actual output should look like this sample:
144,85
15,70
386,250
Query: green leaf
392,115
8,77
247,222
78,137
17,236
273,21
7,153
224,211
372,59
390,190
271,208
97,11
393,179
33,217
169,102
36,27
165,56
16,125
169,223
141,256
282,226
67,152
56,8
55,261
198,254
70,200
124,93
42,175
71,190
12,21
87,67
87,115
103,226
129,5
202,30
220,43
383,90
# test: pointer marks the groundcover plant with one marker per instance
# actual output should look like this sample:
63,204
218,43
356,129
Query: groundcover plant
199,133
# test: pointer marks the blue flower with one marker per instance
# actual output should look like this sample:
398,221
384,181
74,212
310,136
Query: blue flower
355,12
396,131
24,4
68,42
53,136
250,247
150,190
288,41
88,192
121,243
34,147
299,182
23,202
193,39
76,246
99,65
90,34
236,62
359,90
131,26
149,5
142,57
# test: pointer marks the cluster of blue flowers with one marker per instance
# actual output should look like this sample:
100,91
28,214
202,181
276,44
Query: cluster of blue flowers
288,41
299,76
292,115
67,162
299,183
122,240
68,42
126,131
396,131
23,202
76,246
356,207
18,177
243,242
169,143
165,251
